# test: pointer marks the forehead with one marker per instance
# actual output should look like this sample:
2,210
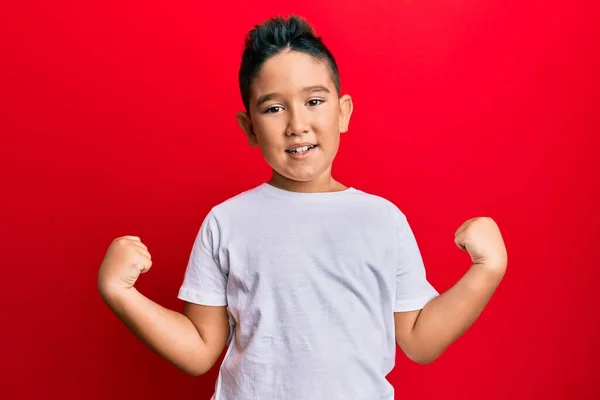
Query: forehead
291,71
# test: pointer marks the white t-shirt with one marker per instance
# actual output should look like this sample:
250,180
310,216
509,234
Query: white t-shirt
311,282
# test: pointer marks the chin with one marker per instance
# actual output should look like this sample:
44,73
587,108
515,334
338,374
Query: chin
300,176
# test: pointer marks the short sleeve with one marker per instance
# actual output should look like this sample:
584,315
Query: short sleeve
204,280
413,290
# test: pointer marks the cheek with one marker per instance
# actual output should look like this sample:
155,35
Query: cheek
327,117
269,133
327,129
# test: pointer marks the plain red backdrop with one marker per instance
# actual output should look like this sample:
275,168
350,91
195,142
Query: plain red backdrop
117,117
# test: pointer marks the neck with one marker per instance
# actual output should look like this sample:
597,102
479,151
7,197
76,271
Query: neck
324,183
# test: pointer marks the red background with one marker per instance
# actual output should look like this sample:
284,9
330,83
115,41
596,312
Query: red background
119,118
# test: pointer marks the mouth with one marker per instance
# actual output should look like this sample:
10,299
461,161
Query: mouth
301,149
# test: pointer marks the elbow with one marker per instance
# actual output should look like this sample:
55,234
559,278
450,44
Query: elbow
195,369
420,355
193,372
423,359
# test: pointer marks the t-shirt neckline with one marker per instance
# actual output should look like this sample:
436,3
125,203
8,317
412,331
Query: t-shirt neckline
275,191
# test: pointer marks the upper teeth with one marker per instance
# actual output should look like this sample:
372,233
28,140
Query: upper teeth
301,149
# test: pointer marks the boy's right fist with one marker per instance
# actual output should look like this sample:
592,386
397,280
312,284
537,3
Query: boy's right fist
126,258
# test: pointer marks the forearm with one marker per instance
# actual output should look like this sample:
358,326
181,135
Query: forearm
170,334
449,315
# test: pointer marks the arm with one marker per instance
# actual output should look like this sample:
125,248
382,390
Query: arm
192,340
424,334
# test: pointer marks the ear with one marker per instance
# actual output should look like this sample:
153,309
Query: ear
244,121
346,108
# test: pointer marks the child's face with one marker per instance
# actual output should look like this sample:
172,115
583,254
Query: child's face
294,102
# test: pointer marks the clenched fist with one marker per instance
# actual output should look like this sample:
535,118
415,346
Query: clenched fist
482,239
126,258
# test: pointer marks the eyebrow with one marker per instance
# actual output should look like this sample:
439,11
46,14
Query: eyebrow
310,89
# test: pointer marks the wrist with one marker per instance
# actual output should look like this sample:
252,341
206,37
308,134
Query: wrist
113,293
494,270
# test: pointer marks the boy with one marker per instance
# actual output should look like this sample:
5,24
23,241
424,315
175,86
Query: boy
311,284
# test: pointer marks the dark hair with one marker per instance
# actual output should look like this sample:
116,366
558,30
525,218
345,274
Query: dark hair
274,36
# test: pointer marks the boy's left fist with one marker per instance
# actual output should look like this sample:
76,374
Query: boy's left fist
482,239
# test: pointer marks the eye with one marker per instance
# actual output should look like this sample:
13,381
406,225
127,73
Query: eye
315,102
273,110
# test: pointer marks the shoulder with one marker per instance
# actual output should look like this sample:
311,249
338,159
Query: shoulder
381,204
235,207
224,215
242,199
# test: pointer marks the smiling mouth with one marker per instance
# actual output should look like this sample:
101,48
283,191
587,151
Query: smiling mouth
300,150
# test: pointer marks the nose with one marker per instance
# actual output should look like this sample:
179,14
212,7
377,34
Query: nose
298,124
